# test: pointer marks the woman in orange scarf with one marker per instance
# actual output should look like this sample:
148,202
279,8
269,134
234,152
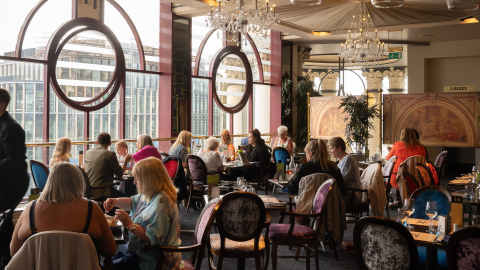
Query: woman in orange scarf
407,146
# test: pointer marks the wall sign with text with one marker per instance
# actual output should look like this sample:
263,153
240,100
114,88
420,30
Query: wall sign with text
459,89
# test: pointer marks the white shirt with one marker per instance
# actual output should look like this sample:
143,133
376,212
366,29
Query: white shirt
212,159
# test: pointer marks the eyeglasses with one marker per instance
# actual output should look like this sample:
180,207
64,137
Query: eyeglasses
250,137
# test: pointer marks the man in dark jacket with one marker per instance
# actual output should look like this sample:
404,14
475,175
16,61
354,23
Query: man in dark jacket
13,172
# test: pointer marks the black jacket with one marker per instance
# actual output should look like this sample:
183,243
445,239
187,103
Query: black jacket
12,148
311,168
258,153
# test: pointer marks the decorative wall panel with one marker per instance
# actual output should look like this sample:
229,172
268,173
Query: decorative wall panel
326,120
448,119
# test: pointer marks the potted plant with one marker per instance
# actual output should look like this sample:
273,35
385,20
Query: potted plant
287,100
304,86
358,124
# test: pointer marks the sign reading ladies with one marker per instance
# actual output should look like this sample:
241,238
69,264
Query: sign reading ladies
459,89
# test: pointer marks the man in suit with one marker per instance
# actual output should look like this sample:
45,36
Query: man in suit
13,171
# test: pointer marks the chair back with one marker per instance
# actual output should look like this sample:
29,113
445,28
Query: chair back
463,249
425,174
241,216
388,168
440,162
56,250
430,193
411,183
408,177
86,183
280,153
172,165
433,173
205,220
40,173
4,217
196,169
322,195
382,243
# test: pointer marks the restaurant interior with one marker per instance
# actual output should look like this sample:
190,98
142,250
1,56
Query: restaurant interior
235,134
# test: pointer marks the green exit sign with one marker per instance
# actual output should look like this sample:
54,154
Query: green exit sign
395,55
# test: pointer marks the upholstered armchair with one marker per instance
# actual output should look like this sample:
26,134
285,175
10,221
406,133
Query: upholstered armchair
40,173
463,250
197,174
440,162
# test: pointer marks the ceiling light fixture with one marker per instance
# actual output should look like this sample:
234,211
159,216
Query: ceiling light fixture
463,5
306,2
234,17
359,49
387,3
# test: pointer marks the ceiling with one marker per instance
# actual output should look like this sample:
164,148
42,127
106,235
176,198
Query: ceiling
322,27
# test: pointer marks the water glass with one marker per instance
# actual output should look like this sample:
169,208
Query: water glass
401,216
475,220
409,209
432,226
241,182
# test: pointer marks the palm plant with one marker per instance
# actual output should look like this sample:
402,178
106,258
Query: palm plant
304,86
358,123
287,99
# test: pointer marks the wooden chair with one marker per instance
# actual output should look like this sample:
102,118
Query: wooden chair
433,173
357,208
197,174
463,249
430,193
40,173
201,235
374,240
425,174
301,235
387,177
240,221
440,162
88,187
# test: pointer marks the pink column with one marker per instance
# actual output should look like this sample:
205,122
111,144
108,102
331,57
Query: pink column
276,81
165,81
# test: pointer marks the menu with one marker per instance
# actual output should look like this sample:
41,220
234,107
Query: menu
425,237
419,222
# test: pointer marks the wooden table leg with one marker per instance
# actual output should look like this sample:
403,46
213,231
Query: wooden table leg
240,263
431,258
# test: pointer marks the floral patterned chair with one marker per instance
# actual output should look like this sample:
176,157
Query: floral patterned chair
197,174
433,173
425,174
40,173
440,162
301,235
240,221
463,250
200,239
382,243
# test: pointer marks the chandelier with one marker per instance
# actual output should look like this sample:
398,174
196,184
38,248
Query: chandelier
234,18
359,49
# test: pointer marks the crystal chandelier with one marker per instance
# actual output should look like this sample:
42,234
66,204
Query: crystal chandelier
359,49
233,17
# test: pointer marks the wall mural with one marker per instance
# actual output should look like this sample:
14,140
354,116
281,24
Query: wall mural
448,119
326,120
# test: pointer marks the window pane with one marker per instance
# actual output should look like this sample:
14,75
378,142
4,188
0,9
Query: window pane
104,123
19,97
52,126
38,127
199,107
113,129
29,97
61,125
39,97
79,136
28,127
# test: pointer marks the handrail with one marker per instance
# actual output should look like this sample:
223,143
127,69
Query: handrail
155,140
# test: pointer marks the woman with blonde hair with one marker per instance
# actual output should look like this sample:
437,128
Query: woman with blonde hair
153,219
62,152
317,162
226,145
145,148
179,148
61,207
407,146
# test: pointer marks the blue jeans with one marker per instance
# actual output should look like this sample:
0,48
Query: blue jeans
125,261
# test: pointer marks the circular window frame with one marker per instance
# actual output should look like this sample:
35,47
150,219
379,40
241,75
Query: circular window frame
217,59
54,47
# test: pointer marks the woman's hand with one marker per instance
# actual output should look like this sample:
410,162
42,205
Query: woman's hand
123,217
109,204
128,158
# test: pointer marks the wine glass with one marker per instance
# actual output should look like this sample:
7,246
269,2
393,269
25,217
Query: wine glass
401,216
431,211
409,209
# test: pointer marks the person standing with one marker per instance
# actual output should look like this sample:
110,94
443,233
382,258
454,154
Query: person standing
13,171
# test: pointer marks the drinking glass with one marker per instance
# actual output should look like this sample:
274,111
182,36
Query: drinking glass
249,188
431,211
410,209
241,182
475,220
401,216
